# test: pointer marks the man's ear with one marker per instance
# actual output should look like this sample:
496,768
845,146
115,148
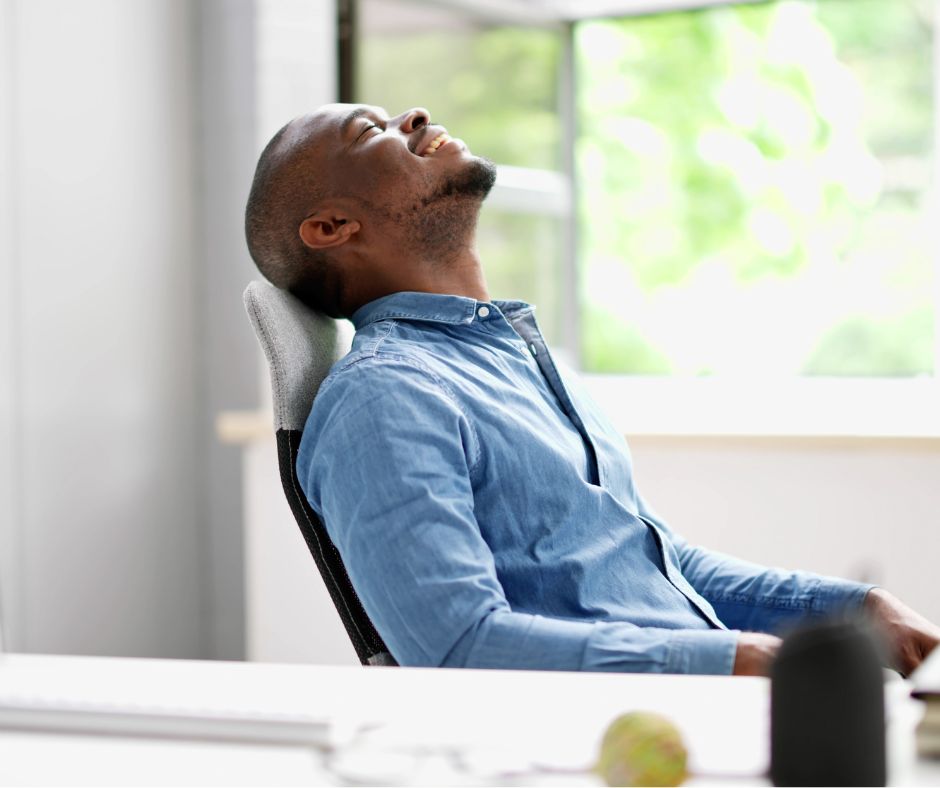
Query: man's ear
327,227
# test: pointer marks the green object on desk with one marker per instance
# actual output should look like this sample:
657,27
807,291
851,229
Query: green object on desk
642,748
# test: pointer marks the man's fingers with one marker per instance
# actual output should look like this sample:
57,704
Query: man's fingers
755,652
914,649
909,635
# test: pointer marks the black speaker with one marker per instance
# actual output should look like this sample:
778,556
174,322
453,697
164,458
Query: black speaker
827,713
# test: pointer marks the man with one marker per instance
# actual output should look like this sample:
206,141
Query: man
484,508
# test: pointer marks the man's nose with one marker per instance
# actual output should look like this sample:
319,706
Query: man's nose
414,119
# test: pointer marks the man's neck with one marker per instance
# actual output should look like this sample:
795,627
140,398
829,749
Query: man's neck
460,275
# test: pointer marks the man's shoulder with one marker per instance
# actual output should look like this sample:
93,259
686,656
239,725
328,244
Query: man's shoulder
383,388
384,358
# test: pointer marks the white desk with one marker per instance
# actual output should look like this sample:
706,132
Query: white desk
495,720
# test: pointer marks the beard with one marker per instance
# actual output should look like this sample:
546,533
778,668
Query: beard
444,222
474,181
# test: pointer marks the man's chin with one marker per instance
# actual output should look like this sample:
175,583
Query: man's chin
473,181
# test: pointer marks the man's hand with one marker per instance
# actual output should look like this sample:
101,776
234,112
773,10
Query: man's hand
755,653
909,636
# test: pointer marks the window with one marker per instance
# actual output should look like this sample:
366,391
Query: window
756,188
740,191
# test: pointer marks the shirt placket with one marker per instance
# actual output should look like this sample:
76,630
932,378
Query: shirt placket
528,329
678,581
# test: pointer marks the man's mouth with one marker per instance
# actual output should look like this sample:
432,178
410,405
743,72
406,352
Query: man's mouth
436,144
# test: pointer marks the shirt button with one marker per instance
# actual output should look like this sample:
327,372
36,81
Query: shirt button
483,311
533,349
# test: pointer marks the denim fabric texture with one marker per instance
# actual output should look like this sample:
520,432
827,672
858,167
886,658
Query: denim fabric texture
487,515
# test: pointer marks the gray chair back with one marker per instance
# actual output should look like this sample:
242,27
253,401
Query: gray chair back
300,346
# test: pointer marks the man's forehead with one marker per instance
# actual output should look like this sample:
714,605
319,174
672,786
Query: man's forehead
333,119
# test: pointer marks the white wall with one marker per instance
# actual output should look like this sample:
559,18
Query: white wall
227,118
127,144
102,213
129,131
9,546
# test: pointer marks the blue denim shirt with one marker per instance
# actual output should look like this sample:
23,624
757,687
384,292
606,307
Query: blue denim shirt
487,515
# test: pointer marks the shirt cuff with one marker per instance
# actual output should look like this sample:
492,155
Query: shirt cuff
835,596
708,651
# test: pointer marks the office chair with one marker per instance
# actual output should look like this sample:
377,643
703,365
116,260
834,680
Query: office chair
301,345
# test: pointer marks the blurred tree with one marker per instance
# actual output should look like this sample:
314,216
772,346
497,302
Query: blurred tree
725,149
895,346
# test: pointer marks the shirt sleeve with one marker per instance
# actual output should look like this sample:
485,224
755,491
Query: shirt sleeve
390,472
757,598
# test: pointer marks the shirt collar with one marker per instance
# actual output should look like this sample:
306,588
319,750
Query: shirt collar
431,307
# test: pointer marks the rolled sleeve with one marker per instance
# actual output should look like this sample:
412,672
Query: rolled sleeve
836,596
749,596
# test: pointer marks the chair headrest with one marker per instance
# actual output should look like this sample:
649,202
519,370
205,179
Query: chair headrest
300,345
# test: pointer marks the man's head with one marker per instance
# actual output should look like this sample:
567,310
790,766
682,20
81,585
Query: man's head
348,204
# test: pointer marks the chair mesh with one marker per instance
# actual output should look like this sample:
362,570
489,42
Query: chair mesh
300,346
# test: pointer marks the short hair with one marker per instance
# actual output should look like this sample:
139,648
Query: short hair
282,193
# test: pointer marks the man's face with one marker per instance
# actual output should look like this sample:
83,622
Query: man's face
405,164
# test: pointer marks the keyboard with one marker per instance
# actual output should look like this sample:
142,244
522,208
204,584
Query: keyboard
172,702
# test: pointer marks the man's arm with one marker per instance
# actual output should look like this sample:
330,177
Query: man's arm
752,597
391,474
758,598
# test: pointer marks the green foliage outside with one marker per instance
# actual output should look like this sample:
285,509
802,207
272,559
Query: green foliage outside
753,183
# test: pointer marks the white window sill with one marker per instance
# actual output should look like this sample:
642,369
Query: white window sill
702,408
793,408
